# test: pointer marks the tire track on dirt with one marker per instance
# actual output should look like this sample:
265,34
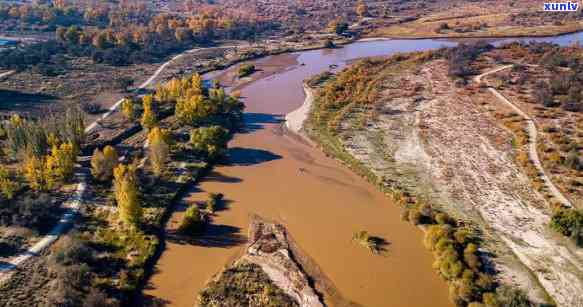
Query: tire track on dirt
532,137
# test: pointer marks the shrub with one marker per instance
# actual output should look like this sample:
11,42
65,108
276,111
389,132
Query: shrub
443,218
70,250
91,108
568,222
442,27
574,160
542,94
462,236
490,300
512,297
103,163
572,105
210,141
213,202
246,70
415,216
460,58
38,211
372,243
193,222
97,298
470,257
329,44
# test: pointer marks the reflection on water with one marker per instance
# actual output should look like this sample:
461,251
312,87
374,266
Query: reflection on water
321,202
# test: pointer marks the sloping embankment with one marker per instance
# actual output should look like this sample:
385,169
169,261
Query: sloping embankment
267,274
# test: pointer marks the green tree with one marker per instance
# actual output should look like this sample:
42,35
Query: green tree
193,221
210,141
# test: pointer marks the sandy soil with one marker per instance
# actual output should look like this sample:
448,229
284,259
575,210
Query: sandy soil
294,120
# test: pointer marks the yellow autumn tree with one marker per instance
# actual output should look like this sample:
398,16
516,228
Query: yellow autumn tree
8,185
61,162
361,9
126,195
128,109
158,150
162,93
196,84
190,110
103,163
34,170
174,88
149,119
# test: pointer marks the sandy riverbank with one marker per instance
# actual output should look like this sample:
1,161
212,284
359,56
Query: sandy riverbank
294,120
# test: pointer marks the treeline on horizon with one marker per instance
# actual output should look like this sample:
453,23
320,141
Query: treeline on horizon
118,35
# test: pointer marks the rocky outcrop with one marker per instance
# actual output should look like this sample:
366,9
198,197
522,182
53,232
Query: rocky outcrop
266,275
269,248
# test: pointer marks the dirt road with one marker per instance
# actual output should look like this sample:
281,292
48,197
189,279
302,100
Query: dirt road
72,205
532,138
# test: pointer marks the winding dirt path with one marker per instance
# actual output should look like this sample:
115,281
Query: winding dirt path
72,205
532,137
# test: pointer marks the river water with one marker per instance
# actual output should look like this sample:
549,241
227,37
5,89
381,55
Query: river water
321,202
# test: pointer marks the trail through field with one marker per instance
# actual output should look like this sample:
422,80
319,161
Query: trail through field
532,137
524,227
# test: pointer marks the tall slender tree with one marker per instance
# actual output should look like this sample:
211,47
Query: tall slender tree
126,195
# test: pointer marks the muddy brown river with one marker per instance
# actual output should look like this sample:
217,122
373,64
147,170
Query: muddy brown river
321,202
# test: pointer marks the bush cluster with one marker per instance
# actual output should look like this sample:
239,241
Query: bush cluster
194,221
568,222
456,252
246,70
461,57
